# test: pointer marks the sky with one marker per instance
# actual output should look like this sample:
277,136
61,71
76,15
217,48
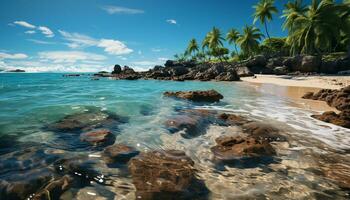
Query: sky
94,35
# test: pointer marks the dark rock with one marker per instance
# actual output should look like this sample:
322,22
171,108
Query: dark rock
310,64
71,75
163,175
232,148
117,69
341,119
17,70
178,71
119,154
231,119
127,70
228,76
98,137
157,68
192,125
257,61
308,95
272,63
54,189
293,63
243,71
197,96
281,70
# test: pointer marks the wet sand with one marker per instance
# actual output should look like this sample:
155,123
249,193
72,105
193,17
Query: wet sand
294,93
323,82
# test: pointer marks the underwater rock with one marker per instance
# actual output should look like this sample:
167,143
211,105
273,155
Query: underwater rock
340,173
231,148
119,154
164,175
197,96
98,137
54,189
341,119
263,132
231,119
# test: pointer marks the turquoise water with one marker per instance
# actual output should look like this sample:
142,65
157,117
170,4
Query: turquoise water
31,102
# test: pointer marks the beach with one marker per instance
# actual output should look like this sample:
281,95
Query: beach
322,82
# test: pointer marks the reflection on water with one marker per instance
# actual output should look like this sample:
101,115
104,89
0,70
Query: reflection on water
313,164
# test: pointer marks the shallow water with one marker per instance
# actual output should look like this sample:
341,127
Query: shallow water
30,102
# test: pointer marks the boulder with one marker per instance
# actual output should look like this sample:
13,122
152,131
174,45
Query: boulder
263,132
243,71
127,70
231,148
228,76
197,96
119,154
280,70
99,137
178,71
310,64
163,175
341,119
257,61
293,63
191,125
117,69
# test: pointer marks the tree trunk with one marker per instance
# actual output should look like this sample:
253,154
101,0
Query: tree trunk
267,33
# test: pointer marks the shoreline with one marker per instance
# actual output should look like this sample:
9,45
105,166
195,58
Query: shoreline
320,82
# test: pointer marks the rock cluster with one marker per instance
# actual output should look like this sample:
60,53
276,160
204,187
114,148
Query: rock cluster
197,96
340,99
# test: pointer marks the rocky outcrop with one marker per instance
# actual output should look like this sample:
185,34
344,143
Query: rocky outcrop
117,69
119,154
341,119
16,70
263,132
340,99
163,175
231,119
196,96
232,148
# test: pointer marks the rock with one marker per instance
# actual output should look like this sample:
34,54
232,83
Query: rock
163,175
310,64
127,70
340,173
293,63
117,69
197,96
98,137
172,63
263,132
85,121
272,63
232,148
71,75
54,189
178,71
341,119
157,68
231,119
17,70
119,154
228,76
257,61
281,70
243,71
24,183
191,125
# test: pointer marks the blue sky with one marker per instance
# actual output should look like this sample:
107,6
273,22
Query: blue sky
93,35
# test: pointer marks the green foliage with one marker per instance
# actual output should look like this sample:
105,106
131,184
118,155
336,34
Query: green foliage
192,47
274,47
232,37
219,52
264,11
249,40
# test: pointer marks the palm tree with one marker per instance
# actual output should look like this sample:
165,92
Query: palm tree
192,47
292,11
264,11
232,37
249,40
318,30
215,38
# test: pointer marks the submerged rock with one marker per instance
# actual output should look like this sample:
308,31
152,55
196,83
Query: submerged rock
231,119
263,132
164,175
54,189
341,119
98,137
340,173
231,148
197,96
119,154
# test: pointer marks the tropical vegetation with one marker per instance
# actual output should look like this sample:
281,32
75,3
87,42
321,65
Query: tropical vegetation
320,28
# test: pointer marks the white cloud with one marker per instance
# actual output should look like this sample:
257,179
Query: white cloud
12,56
30,32
112,47
163,59
171,21
70,56
46,31
24,24
121,10
40,41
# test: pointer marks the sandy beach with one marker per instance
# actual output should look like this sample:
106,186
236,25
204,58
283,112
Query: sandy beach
324,82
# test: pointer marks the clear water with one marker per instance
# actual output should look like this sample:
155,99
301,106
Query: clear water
29,102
